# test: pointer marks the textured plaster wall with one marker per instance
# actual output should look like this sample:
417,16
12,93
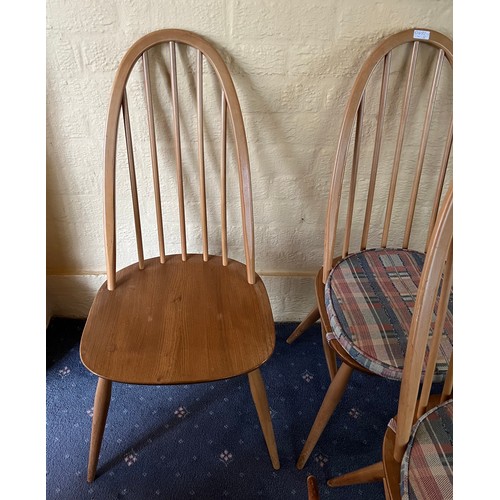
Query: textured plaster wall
293,63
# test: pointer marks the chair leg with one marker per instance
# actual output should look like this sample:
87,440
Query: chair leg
368,474
312,488
101,405
331,361
310,319
258,391
330,401
386,490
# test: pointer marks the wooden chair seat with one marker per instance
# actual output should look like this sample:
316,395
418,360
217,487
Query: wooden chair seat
426,469
370,297
220,326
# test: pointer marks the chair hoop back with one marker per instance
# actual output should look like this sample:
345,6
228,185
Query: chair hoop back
230,106
355,114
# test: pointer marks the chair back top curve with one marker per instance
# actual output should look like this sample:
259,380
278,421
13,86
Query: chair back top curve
426,329
397,123
229,113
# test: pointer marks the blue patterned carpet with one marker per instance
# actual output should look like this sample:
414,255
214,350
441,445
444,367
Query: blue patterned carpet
204,441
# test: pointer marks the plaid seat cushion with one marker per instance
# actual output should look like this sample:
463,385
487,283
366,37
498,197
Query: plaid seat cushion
427,465
370,296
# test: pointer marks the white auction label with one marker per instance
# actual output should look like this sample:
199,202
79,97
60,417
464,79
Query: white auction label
421,34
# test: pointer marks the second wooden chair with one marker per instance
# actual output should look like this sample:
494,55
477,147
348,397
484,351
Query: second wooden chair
388,177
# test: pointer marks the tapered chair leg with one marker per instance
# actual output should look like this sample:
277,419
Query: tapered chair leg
312,488
368,474
331,361
101,405
386,489
258,391
310,319
332,398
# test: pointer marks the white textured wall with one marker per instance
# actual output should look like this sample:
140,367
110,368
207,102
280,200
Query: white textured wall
293,63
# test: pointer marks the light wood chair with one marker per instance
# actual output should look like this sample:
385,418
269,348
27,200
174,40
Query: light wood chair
418,443
179,318
389,173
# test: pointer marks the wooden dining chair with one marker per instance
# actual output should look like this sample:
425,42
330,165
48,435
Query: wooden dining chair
390,170
417,452
183,315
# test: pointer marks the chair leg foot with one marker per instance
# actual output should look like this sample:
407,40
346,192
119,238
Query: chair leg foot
310,319
369,474
101,405
258,391
312,488
330,402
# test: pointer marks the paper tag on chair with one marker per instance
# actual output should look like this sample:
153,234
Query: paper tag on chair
421,34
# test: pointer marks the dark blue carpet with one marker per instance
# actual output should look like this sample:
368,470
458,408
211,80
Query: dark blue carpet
204,441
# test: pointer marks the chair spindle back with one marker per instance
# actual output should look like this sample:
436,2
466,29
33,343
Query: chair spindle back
364,182
205,55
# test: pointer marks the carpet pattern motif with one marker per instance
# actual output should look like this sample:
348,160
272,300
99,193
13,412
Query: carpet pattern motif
204,441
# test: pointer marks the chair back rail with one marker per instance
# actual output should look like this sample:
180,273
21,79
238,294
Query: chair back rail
178,152
380,62
423,146
230,111
376,149
133,180
154,157
201,153
223,167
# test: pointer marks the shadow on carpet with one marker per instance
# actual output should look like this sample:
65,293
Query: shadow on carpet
204,441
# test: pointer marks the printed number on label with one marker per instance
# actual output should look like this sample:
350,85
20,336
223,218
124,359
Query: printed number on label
421,34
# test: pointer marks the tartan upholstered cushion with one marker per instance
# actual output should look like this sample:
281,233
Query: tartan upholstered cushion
369,298
427,466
